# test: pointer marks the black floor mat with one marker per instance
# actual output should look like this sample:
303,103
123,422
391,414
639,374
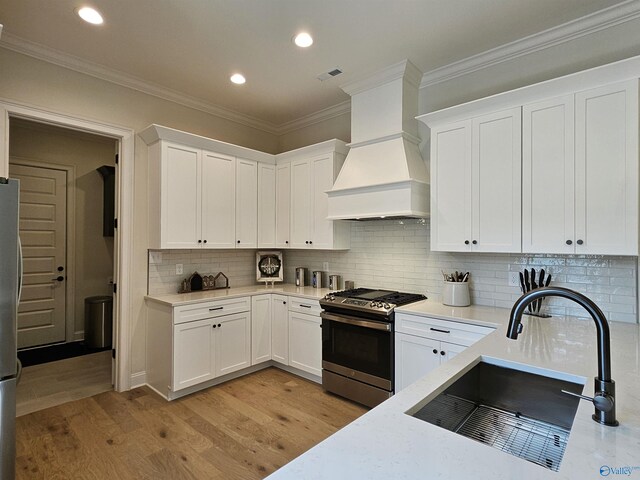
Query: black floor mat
51,353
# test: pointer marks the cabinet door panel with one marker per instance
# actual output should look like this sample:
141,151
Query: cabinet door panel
218,200
451,187
260,329
607,170
322,180
246,204
266,205
283,205
305,342
193,359
548,176
415,358
496,172
280,330
233,343
301,199
450,350
180,197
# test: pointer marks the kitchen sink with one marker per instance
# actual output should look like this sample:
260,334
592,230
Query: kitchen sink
516,408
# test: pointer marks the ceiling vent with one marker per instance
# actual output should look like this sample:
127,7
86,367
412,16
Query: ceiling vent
330,74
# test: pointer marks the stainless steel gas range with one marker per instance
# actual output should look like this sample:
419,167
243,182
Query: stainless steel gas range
357,343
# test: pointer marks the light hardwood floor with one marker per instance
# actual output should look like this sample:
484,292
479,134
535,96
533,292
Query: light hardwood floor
242,429
49,384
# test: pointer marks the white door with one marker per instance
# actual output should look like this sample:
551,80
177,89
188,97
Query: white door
266,205
301,199
260,329
548,176
232,342
283,204
305,342
43,226
218,180
180,196
193,354
280,329
415,357
496,168
246,204
451,187
607,170
321,182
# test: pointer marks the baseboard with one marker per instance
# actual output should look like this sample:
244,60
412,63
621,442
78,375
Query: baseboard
138,379
78,336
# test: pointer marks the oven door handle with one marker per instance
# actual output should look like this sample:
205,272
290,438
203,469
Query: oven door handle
356,321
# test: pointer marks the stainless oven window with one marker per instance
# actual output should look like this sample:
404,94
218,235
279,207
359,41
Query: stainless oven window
358,348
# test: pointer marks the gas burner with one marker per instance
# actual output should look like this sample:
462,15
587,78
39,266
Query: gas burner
368,301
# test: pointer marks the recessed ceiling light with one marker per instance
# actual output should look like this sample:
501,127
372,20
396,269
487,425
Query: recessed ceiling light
90,15
303,39
238,78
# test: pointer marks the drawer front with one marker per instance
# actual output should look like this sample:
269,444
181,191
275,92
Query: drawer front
217,308
303,305
443,330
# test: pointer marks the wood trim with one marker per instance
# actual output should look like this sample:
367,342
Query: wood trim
123,310
70,297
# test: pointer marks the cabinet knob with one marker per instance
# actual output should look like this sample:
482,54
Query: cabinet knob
466,242
475,242
199,241
569,242
238,241
204,241
310,242
286,241
307,242
579,242
214,325
284,303
435,351
220,325
442,352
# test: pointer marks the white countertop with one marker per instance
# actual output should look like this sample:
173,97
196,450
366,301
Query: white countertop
177,299
385,443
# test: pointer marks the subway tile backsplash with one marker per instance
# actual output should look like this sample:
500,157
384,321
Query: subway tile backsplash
395,254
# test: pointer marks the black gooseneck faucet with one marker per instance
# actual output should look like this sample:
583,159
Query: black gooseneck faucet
605,388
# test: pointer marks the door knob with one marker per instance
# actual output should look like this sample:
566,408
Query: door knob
58,279
60,268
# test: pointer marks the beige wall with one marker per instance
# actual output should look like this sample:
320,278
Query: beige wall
93,252
36,83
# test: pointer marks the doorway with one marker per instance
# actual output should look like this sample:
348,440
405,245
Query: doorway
67,261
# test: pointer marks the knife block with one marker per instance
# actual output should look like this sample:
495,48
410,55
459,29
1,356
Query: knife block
456,294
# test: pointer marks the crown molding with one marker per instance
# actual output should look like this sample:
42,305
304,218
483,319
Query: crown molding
594,22
316,117
404,69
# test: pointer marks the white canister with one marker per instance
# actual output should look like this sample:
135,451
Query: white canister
456,294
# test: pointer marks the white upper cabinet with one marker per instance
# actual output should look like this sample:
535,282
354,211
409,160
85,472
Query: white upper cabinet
580,173
218,200
548,173
475,184
606,184
283,205
266,205
312,175
246,204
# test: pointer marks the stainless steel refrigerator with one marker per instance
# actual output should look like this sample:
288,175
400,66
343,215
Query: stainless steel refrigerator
10,274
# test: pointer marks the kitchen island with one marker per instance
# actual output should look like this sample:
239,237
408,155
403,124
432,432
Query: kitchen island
386,443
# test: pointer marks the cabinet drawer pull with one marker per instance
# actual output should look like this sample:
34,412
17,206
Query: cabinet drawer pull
305,306
438,330
215,308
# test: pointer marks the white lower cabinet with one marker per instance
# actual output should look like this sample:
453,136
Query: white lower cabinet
421,345
280,329
232,343
193,353
305,342
261,328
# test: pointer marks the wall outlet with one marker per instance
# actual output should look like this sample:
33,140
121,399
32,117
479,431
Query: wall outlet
178,269
514,279
325,266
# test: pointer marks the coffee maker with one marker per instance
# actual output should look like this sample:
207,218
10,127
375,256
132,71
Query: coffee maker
301,273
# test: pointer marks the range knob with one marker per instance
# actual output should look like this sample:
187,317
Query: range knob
374,305
387,306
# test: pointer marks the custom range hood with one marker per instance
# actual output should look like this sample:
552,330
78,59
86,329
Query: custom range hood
384,175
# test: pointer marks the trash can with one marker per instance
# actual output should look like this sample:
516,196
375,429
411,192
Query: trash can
98,321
